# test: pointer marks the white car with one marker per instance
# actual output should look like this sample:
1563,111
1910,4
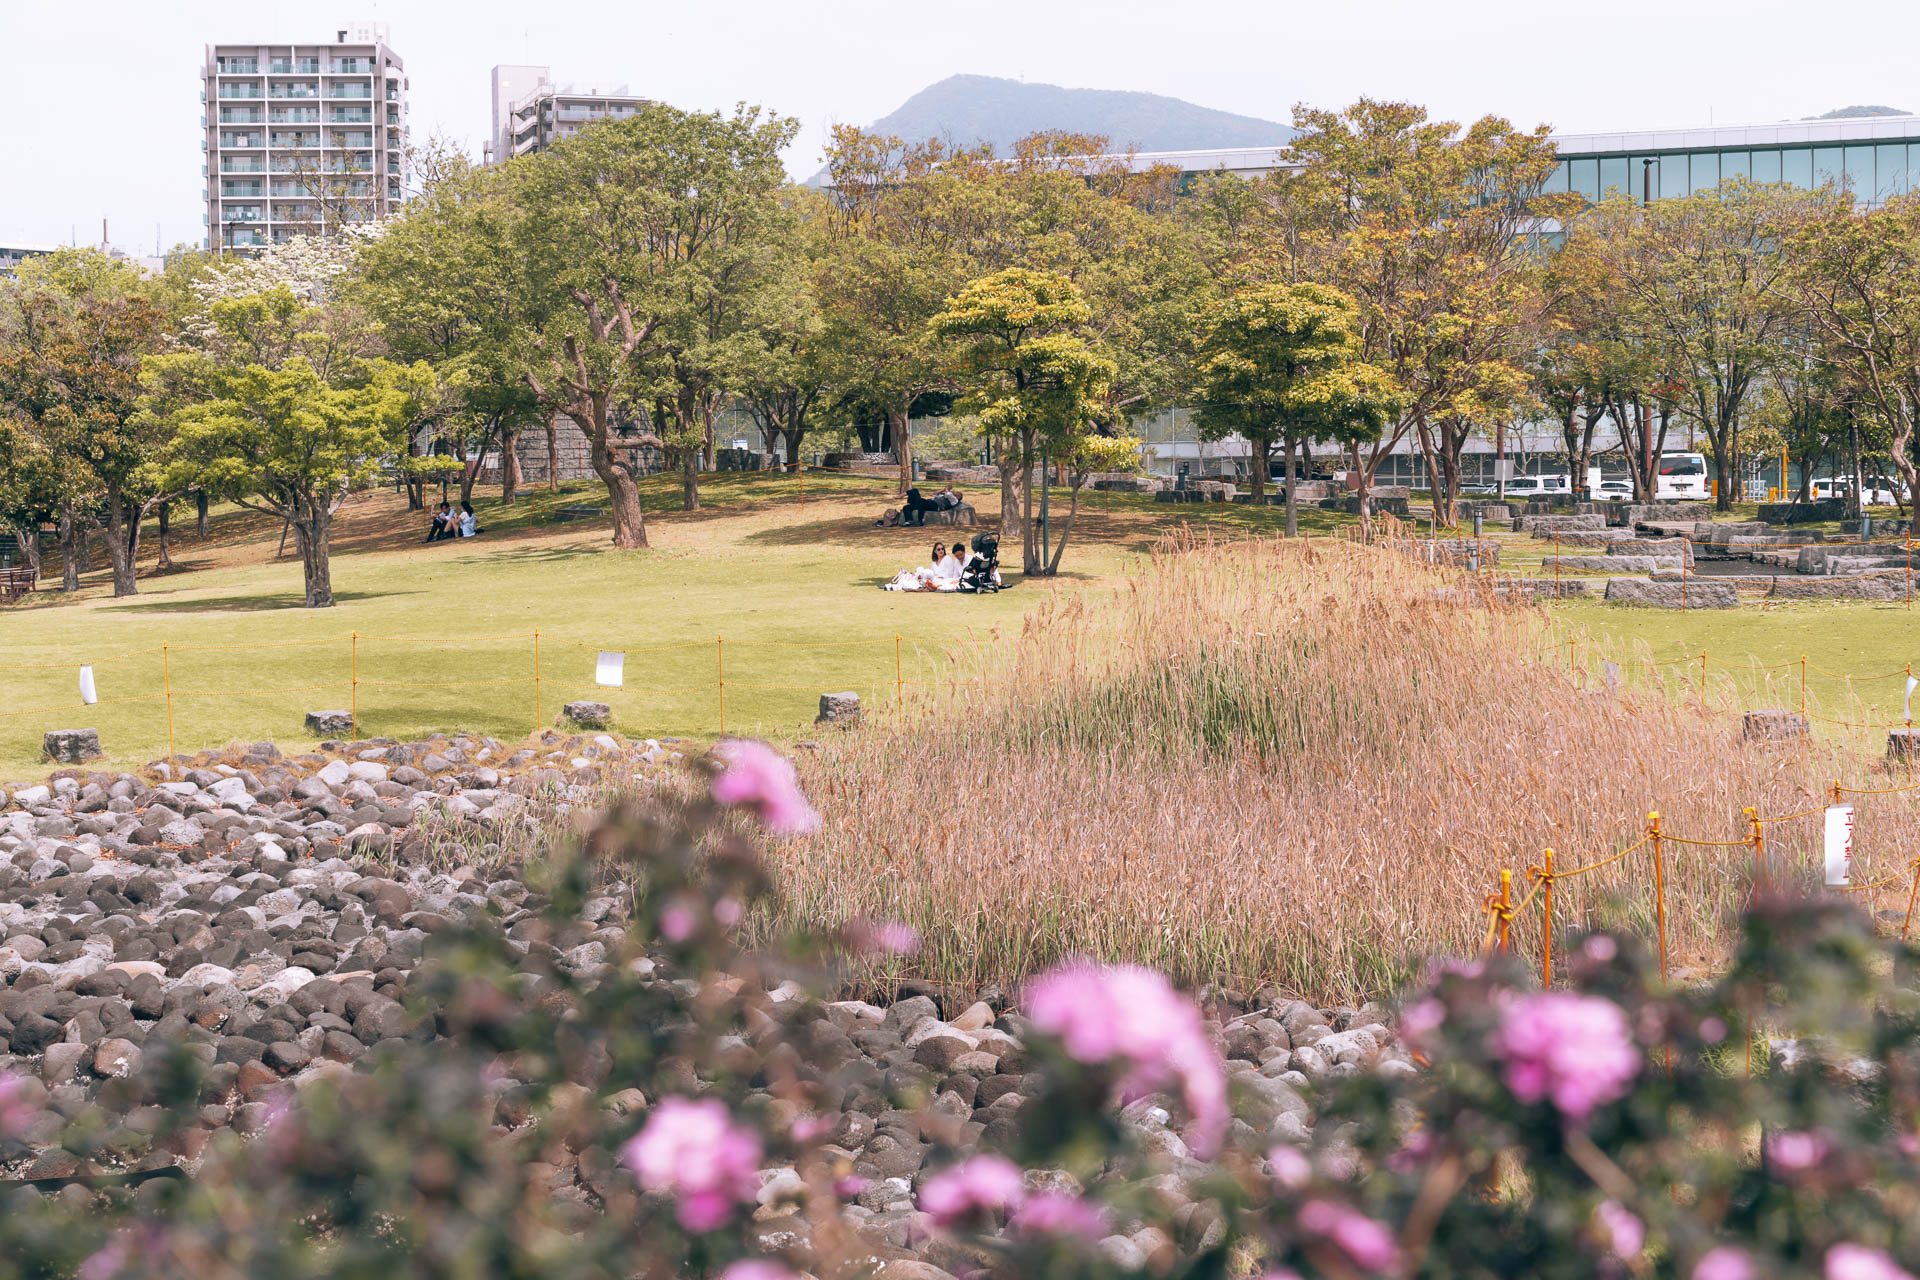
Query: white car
1537,486
1611,491
1880,491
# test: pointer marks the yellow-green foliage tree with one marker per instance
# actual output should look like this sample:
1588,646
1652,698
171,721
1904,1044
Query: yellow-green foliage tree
1281,363
1035,382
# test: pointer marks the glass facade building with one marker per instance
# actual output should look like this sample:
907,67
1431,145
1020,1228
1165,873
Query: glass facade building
1874,157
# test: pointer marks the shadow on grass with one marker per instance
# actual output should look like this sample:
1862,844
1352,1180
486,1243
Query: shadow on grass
245,604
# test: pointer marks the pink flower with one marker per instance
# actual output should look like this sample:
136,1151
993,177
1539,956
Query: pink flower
696,1151
1054,1213
1413,1153
759,778
678,921
1600,948
1857,1262
812,1128
1290,1169
1367,1242
728,912
1132,1015
1724,1263
1421,1019
756,1269
1796,1150
882,937
977,1186
1576,1050
1625,1233
1713,1030
1280,1274
16,1113
128,1251
850,1186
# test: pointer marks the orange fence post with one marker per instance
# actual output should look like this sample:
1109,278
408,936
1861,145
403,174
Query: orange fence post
166,668
353,677
1911,896
1506,910
1546,922
1659,890
1759,848
536,679
720,662
803,486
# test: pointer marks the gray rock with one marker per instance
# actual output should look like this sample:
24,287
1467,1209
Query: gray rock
838,708
1693,594
72,746
587,715
329,724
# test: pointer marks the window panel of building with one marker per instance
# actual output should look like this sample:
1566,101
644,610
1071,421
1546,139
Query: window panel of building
1796,166
1889,170
1583,178
1670,183
1766,166
1859,164
1827,166
1706,170
1613,177
1735,164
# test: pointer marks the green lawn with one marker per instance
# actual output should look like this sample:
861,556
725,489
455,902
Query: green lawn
792,593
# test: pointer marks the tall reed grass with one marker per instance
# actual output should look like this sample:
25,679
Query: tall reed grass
1288,762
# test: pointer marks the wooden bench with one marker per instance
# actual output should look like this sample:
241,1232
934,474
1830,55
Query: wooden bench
15,583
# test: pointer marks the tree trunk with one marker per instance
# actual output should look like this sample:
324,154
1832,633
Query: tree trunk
1066,530
553,465
1293,497
416,484
200,513
793,450
1855,506
163,518
1029,548
509,467
29,531
121,543
310,532
629,523
690,478
69,553
902,447
1258,450
1010,514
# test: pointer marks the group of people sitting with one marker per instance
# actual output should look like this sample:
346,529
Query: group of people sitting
448,523
914,510
949,567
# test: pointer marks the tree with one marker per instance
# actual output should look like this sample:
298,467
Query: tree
1856,278
1280,364
1034,381
71,345
634,235
282,412
1432,232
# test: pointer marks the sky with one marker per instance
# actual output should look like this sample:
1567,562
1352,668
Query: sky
101,110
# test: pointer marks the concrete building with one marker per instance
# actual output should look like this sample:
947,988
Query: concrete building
531,112
301,138
13,254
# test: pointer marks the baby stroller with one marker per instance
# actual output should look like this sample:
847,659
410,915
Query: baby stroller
983,571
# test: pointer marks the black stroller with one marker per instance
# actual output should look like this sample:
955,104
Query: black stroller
983,571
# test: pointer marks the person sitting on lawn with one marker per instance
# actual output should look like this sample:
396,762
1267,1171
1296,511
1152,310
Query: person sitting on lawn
442,525
467,525
947,567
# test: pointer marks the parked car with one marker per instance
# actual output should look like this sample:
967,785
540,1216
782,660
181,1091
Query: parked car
1538,486
1479,489
1611,491
1880,491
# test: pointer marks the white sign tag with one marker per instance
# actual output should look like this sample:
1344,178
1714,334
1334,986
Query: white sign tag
1611,671
608,671
1839,845
1912,684
87,695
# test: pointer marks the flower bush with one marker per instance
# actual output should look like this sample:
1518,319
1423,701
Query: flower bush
1618,1126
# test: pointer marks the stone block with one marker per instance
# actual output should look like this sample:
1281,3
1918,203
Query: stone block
1547,526
1803,512
838,708
1772,726
1901,744
1884,586
72,746
960,515
1611,564
329,724
587,715
1696,593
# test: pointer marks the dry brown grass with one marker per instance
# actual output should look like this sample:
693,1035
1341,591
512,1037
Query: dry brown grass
1287,762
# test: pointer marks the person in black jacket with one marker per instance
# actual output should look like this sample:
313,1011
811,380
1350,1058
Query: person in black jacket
914,509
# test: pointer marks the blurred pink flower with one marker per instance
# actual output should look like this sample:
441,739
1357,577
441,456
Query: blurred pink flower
16,1113
759,778
1413,1152
1625,1233
1054,1213
678,921
1280,1274
756,1269
812,1128
882,937
1367,1242
127,1252
850,1186
1857,1262
1724,1263
1421,1019
695,1151
1713,1030
1600,948
1796,1150
1574,1049
1132,1014
1290,1169
728,912
979,1185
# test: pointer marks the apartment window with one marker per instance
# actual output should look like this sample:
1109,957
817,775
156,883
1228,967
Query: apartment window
1827,166
1796,167
1890,170
1766,166
295,66
295,115
1859,168
239,115
1613,177
238,66
240,89
240,138
352,66
294,89
296,138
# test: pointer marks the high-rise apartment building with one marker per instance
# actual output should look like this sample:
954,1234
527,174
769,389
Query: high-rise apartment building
531,113
301,138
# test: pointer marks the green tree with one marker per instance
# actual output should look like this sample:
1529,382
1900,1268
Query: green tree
72,336
281,412
1035,382
1280,364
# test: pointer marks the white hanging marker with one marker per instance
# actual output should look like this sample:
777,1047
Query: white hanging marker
608,670
87,694
1912,684
1839,845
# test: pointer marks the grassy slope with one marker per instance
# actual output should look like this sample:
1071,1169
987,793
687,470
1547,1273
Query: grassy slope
754,567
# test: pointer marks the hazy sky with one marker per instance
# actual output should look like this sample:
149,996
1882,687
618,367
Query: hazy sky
100,105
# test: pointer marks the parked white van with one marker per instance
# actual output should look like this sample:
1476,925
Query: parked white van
1538,486
1683,476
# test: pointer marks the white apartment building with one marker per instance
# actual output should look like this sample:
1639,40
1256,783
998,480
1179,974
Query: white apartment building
301,138
531,113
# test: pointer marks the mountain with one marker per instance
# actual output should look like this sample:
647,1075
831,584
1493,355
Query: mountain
1856,113
970,109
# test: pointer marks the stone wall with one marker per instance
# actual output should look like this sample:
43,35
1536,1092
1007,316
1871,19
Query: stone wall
571,452
1803,512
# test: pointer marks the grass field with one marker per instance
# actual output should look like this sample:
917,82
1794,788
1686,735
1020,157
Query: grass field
791,589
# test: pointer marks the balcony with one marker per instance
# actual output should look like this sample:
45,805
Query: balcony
237,66
240,115
231,140
250,164
239,91
353,66
358,139
294,67
350,115
349,90
241,191
246,213
295,115
294,89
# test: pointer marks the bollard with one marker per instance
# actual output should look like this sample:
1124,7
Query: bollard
1476,524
